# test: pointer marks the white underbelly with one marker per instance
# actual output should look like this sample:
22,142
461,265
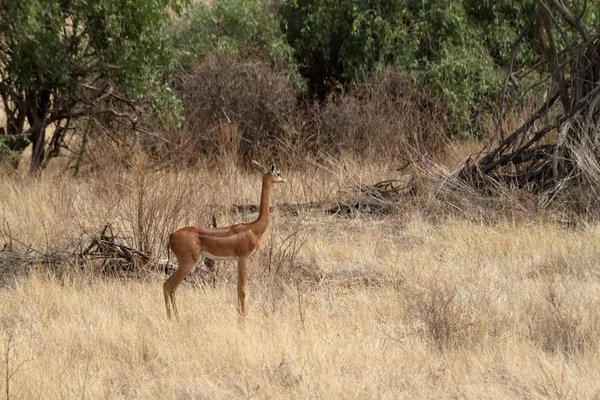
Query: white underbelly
206,254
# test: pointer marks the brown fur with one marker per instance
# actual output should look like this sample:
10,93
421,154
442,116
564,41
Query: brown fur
236,241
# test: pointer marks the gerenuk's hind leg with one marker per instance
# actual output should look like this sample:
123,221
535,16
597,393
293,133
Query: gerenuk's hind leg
171,284
167,299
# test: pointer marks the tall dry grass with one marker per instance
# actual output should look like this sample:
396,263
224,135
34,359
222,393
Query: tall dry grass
403,306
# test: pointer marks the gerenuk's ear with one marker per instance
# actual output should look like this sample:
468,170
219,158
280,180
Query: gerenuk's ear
257,166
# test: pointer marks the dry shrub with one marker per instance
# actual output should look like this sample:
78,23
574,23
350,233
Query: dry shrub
145,206
388,116
238,110
103,144
281,249
577,194
156,205
564,323
280,264
571,199
232,108
447,193
448,314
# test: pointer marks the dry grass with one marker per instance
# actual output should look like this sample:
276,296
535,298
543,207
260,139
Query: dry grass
395,307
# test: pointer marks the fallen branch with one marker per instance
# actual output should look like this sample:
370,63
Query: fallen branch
377,199
107,246
534,156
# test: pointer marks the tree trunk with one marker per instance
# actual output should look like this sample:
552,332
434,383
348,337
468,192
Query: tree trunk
37,121
38,147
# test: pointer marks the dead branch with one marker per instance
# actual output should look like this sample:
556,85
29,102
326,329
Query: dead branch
103,247
533,156
115,255
379,198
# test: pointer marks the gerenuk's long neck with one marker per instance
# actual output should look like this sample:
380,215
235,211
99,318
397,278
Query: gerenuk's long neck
262,221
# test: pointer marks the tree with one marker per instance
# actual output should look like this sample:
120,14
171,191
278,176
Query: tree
457,47
64,60
343,41
558,144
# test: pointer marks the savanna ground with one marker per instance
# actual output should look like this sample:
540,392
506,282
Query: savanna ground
408,305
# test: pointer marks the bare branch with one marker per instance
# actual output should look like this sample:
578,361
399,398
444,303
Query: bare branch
571,19
552,56
574,78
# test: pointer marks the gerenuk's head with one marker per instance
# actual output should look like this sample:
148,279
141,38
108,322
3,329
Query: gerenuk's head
272,173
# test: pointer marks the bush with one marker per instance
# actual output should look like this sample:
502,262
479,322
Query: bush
233,108
457,47
343,41
559,325
498,23
239,110
463,46
238,28
447,316
61,62
386,116
466,81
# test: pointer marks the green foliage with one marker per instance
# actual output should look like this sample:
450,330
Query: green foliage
498,23
342,41
466,80
121,40
57,58
463,45
12,157
236,27
457,46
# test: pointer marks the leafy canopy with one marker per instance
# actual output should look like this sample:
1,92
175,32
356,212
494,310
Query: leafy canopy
458,47
65,59
244,28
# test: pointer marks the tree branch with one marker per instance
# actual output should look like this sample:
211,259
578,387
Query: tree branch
571,19
523,128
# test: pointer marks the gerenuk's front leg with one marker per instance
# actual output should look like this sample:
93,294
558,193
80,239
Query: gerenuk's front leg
241,286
